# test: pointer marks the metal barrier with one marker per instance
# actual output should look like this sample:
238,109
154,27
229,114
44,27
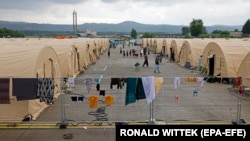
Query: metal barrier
179,100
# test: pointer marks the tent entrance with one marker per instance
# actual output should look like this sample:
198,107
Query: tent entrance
211,65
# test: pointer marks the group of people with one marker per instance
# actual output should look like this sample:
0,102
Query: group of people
158,59
157,62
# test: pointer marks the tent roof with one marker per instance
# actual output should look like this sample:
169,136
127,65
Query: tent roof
231,51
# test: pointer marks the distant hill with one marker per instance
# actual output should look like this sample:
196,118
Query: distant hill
125,27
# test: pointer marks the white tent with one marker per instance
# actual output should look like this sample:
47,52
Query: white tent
25,58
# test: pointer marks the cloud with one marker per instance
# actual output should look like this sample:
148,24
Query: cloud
177,12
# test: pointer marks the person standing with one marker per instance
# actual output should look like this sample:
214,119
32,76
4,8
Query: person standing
145,60
108,53
199,63
157,64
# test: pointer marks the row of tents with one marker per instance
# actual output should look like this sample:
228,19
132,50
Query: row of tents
220,57
44,58
60,58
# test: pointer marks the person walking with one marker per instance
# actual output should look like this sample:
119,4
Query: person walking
157,64
145,60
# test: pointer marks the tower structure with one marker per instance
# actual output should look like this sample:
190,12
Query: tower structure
75,23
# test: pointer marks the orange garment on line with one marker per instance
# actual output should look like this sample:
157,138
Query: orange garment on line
158,84
191,79
109,100
93,101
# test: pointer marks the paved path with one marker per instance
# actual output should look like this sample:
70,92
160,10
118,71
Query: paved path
117,65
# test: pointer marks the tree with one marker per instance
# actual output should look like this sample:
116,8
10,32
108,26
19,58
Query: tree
185,30
148,35
246,27
196,27
133,34
4,32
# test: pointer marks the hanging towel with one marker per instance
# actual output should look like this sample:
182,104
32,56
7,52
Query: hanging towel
71,82
97,80
140,94
149,88
177,82
88,82
93,101
4,91
109,100
45,90
130,90
25,88
201,80
158,84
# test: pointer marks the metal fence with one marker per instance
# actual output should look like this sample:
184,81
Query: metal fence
180,99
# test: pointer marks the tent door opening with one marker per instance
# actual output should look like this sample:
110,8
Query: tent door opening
211,66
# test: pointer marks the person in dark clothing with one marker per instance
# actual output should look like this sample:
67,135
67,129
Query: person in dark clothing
157,64
108,53
145,60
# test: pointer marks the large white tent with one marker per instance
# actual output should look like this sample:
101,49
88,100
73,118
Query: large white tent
24,58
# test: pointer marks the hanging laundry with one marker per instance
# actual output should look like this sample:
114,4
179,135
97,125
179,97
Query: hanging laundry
177,82
88,82
45,90
102,93
191,79
195,92
4,91
176,98
98,87
201,80
25,88
97,80
130,90
139,94
158,84
77,98
93,101
149,88
109,99
71,82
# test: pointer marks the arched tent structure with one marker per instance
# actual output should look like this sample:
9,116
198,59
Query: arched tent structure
175,46
67,54
190,51
91,49
81,46
223,57
168,44
244,69
161,45
24,58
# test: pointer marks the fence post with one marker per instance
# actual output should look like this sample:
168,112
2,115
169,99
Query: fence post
151,112
63,123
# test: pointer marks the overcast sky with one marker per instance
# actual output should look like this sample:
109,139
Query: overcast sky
173,12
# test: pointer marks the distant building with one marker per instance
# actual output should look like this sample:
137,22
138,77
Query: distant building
235,33
88,33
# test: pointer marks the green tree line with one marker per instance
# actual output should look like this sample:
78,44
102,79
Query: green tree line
7,33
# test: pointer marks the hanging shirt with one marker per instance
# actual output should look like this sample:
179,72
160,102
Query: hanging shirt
130,90
4,91
149,88
88,82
